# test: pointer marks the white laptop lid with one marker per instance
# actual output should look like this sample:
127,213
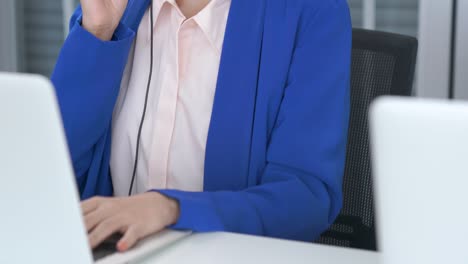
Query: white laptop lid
420,151
40,216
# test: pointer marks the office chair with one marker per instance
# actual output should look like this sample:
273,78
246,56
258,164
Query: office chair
382,64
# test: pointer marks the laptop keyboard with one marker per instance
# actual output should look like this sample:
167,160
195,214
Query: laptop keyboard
108,247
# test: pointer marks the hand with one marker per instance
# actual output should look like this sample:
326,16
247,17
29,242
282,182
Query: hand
101,17
135,217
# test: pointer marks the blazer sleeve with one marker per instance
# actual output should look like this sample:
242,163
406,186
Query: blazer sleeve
87,79
299,195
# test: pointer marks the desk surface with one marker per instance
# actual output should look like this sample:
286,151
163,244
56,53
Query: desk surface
234,248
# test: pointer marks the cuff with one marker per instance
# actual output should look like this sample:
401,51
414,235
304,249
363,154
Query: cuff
195,212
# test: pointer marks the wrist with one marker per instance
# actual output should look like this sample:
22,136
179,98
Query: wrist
168,208
173,210
103,33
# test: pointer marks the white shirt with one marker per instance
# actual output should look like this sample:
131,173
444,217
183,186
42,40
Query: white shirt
187,55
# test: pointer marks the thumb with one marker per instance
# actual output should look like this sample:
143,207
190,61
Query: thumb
128,240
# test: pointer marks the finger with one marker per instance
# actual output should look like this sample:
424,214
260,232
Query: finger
129,239
90,205
94,218
104,230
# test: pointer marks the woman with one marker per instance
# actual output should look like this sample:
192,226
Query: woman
243,128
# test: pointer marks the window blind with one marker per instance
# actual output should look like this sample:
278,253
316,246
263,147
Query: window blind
43,35
356,7
8,39
44,30
398,16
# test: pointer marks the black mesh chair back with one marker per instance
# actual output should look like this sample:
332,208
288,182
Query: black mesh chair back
382,64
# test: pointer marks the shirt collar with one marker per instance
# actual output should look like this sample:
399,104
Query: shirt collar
212,19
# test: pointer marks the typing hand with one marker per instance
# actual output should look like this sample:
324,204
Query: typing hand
134,217
101,17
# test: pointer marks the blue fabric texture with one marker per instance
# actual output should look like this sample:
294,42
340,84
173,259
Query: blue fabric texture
277,139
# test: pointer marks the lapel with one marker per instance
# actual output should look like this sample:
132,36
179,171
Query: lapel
229,137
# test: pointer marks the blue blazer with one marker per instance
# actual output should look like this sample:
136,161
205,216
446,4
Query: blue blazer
277,140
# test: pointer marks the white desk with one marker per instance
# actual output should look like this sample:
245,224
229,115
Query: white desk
228,248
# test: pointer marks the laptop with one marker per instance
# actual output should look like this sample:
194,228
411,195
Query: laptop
420,162
41,219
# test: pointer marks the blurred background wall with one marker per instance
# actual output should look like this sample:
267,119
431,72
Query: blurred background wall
32,32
